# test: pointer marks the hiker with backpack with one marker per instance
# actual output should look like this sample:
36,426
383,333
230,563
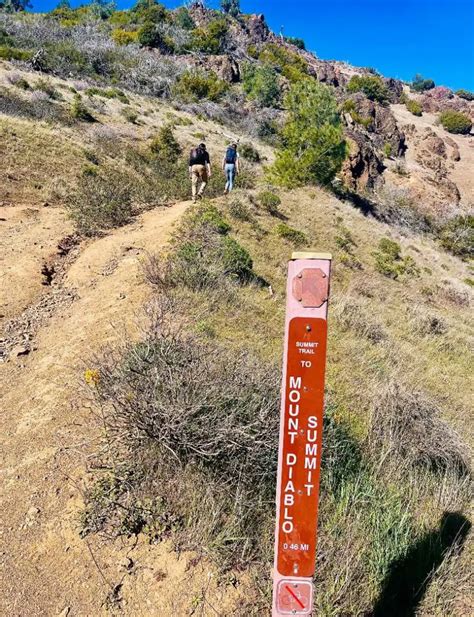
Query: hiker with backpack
230,166
199,170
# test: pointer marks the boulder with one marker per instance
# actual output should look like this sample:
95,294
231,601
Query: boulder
257,28
395,89
387,131
227,68
363,166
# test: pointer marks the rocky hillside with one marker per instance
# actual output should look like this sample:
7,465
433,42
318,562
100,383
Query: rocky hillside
141,336
206,61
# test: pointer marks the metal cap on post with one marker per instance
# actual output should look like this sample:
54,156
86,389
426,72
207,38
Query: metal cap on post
301,424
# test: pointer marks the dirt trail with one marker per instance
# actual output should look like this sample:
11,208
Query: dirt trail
45,567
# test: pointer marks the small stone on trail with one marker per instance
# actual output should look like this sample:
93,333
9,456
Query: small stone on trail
65,612
20,350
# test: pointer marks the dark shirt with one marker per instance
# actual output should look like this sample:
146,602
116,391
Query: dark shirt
199,157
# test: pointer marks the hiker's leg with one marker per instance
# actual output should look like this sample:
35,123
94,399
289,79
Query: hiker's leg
194,180
230,172
204,180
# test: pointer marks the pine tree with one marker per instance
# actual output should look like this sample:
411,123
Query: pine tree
312,142
231,7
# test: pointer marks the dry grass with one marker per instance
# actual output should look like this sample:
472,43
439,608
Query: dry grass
406,429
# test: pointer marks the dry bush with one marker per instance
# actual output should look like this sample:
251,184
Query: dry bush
36,107
397,206
355,314
198,425
406,429
427,323
100,202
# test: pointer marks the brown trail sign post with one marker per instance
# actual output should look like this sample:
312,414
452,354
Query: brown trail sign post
301,427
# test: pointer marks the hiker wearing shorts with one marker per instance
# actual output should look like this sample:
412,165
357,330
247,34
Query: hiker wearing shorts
230,166
199,170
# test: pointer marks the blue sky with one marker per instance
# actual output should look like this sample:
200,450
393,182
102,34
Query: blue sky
397,37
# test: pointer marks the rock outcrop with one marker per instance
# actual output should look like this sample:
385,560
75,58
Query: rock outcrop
363,165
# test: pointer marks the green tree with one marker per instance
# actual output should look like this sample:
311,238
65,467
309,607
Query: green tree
465,94
261,84
150,36
312,143
149,11
164,146
14,6
211,40
420,84
232,7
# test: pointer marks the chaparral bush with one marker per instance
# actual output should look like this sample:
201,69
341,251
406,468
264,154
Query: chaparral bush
371,85
456,122
414,107
197,85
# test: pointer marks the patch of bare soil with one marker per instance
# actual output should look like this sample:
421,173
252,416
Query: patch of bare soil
46,433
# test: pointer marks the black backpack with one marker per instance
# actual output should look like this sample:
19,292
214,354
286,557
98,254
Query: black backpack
231,156
198,156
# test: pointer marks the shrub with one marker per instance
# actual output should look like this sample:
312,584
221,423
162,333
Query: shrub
47,87
387,150
164,145
312,144
465,94
210,217
232,7
414,107
79,110
297,42
456,122
407,425
457,236
39,107
150,36
212,39
298,238
124,37
183,19
420,84
397,206
203,256
195,85
130,115
149,11
290,64
12,53
22,84
181,451
349,106
371,85
261,85
249,152
108,93
237,261
100,202
389,261
269,201
240,211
